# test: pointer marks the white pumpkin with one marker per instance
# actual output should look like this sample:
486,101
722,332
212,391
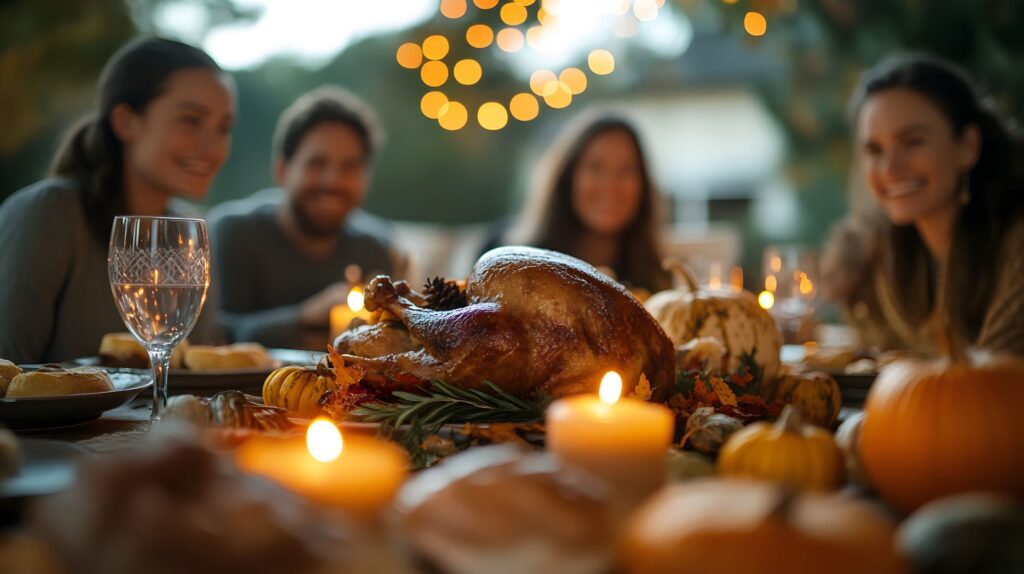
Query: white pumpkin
732,317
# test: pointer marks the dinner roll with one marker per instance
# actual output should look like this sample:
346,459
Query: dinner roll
124,350
8,371
49,381
500,510
237,356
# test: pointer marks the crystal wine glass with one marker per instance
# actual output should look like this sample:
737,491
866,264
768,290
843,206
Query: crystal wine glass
790,273
159,269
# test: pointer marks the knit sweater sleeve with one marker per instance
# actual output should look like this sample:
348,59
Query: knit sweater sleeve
1003,329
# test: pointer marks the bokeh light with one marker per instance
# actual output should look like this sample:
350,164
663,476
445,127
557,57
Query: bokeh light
645,10
479,35
755,24
453,8
535,36
434,73
601,62
560,98
543,82
766,300
435,47
513,14
453,116
467,72
575,79
525,2
492,116
524,107
431,104
510,40
409,55
485,4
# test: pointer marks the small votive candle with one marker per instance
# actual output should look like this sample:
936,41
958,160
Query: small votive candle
621,440
359,474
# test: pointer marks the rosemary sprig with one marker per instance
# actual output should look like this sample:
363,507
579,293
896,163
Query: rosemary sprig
442,404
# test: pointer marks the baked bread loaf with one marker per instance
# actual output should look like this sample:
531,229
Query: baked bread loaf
8,371
237,356
499,509
50,381
123,350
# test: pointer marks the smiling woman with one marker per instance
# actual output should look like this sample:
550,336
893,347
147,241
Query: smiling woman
940,251
162,130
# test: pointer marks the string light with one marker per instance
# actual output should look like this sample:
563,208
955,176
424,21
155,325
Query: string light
453,116
479,35
431,104
435,47
409,55
524,107
601,62
492,116
755,24
467,72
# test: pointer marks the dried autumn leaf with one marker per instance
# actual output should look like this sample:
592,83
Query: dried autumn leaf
642,390
722,390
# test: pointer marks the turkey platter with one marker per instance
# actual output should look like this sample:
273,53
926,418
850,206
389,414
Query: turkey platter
532,321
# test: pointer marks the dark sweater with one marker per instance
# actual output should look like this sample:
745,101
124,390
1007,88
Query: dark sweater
55,298
262,278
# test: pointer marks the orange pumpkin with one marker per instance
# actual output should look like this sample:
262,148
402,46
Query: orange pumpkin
735,526
934,429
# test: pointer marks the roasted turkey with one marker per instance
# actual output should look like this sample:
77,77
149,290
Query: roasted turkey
533,320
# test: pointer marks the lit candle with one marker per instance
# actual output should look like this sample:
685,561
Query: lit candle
736,278
359,474
343,315
715,276
623,441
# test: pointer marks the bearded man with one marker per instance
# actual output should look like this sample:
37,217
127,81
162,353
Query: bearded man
282,260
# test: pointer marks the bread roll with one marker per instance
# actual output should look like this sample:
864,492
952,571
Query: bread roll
124,350
237,356
500,510
48,382
8,371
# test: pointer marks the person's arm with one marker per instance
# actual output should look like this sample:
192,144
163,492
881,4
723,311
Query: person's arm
36,243
235,291
1003,329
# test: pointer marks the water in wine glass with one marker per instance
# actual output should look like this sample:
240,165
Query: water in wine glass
159,269
159,315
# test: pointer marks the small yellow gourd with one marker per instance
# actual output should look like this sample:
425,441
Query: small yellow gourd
296,389
816,394
788,451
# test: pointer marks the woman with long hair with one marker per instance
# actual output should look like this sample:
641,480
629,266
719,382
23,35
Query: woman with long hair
162,129
937,258
594,199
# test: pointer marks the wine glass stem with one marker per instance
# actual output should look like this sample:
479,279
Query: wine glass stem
161,360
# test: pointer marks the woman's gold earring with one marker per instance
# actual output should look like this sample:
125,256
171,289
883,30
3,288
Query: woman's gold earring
965,191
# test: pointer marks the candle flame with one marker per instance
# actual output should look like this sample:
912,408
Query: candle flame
356,299
611,388
323,440
766,300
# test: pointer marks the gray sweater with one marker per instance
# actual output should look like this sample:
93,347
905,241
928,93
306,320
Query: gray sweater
262,278
55,298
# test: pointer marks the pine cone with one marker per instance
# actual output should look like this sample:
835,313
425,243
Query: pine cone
442,295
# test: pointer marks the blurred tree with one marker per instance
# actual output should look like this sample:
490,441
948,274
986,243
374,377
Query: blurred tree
50,54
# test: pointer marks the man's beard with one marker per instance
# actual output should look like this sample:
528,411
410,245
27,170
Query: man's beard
308,225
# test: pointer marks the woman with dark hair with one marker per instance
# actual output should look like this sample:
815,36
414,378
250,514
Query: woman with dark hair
594,200
162,130
937,259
